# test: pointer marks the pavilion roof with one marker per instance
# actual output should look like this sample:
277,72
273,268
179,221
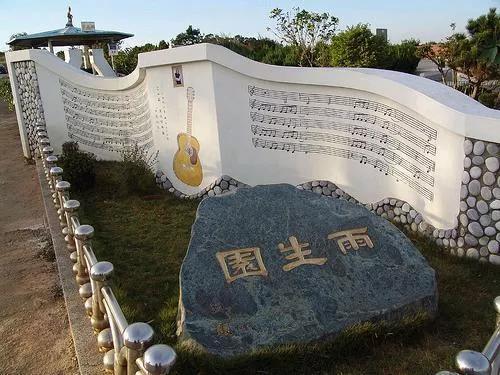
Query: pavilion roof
68,36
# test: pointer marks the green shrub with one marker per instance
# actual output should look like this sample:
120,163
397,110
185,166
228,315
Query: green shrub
79,167
6,93
137,171
403,56
487,98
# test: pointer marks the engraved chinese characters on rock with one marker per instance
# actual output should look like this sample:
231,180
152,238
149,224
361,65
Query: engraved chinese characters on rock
238,263
298,254
352,239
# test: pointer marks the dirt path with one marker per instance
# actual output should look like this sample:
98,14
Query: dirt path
34,331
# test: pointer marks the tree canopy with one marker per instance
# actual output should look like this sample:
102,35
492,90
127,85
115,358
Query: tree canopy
303,30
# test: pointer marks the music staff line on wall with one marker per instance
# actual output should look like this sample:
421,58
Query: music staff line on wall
293,109
347,154
136,94
112,122
123,138
107,122
96,127
353,102
108,147
108,105
388,155
362,131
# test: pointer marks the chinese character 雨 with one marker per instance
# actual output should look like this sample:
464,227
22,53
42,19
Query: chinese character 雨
240,263
298,253
352,239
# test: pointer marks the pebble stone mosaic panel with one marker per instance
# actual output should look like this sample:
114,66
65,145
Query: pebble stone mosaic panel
477,234
479,218
29,95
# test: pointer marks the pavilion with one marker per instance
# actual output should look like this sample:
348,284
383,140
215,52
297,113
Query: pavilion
74,36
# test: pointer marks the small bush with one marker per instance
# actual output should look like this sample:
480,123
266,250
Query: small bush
488,99
79,167
403,56
138,176
6,93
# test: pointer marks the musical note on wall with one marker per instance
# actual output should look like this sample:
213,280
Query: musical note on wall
390,140
107,121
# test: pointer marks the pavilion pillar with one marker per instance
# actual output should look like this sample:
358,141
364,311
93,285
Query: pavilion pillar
51,49
86,57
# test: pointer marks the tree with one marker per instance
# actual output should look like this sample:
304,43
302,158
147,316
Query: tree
438,54
126,60
162,44
477,54
189,37
303,30
357,46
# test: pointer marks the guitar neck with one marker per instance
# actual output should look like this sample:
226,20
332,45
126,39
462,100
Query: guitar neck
190,117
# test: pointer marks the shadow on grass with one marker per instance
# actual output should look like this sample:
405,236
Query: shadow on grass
146,238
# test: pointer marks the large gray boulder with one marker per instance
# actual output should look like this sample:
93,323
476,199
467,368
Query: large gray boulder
275,265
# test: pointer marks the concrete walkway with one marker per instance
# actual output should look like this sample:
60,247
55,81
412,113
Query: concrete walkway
33,319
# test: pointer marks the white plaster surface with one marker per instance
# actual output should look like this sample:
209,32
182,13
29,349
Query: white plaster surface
236,133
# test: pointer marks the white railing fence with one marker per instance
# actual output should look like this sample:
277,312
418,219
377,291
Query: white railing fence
128,348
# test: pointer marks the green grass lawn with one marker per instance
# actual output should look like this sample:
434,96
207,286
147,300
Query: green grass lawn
146,239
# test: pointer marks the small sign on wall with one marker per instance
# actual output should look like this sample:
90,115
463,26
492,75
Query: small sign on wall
88,26
113,49
177,77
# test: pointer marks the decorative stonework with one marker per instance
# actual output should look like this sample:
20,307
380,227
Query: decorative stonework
479,218
222,185
455,241
29,95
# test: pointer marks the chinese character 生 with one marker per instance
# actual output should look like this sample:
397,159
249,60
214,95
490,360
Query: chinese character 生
240,263
352,239
298,254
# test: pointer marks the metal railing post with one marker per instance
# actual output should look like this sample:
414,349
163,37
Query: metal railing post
137,338
71,207
46,152
62,189
51,161
56,176
470,362
157,360
83,235
101,274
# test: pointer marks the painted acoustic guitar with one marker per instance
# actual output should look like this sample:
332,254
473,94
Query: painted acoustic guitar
187,166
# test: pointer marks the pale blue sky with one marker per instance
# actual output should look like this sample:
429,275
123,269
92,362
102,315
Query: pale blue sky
153,20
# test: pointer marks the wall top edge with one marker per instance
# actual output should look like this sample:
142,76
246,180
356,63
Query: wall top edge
440,104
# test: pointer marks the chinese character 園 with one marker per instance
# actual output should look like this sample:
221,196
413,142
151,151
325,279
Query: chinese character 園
239,263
